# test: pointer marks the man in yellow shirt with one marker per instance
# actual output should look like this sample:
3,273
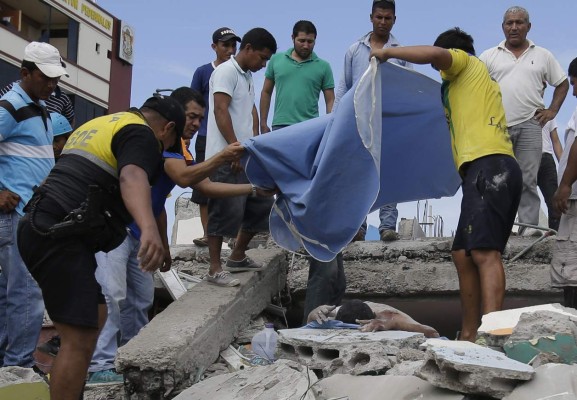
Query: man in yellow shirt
483,154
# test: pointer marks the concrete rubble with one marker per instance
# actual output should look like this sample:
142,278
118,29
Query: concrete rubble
22,383
332,351
543,332
551,382
171,352
284,379
381,388
468,368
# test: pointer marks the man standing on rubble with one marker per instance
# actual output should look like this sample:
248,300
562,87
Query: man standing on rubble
483,155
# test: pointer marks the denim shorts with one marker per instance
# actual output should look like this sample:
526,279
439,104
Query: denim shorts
226,216
64,270
491,193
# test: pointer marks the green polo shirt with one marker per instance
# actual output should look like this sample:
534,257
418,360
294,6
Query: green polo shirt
298,86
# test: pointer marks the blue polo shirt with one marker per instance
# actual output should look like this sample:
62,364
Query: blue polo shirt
26,154
200,81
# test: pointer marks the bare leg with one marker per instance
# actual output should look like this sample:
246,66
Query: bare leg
242,240
492,276
71,363
214,249
470,292
203,217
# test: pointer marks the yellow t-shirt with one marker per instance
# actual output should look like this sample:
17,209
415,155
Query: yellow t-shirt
474,110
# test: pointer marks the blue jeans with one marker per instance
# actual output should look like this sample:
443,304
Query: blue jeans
388,215
326,284
21,305
129,293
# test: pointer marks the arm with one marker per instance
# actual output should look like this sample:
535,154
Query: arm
265,98
345,82
218,189
438,57
569,177
546,115
187,175
8,201
329,99
255,126
135,191
223,118
557,148
162,225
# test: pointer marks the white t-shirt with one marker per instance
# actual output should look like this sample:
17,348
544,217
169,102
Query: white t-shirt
230,79
547,129
522,79
569,139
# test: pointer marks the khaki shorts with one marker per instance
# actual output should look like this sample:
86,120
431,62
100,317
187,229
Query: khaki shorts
564,260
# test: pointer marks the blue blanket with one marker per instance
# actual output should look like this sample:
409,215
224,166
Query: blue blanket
387,142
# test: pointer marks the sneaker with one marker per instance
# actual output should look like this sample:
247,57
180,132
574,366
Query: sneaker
106,376
222,278
51,346
247,264
388,235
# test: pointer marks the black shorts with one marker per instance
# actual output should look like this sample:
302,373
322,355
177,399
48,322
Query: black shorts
200,151
491,193
64,270
226,216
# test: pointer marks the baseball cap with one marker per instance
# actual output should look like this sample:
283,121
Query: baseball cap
60,125
224,34
46,57
170,109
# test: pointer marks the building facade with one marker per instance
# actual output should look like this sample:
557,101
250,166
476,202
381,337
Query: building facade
96,47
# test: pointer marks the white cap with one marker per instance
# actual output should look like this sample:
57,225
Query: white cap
46,57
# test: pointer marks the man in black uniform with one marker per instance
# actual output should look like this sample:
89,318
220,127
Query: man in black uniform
101,182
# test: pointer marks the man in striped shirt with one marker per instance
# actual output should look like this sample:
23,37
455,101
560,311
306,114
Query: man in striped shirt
26,158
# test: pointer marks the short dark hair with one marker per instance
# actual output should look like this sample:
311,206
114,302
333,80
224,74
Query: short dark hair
185,95
384,5
259,39
304,26
29,65
573,68
352,310
456,38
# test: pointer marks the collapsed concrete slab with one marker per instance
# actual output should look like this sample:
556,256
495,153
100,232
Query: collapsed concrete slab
170,353
381,388
104,391
551,381
282,380
468,368
544,332
345,350
22,383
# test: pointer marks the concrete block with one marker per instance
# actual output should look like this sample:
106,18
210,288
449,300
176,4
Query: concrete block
281,380
171,352
381,388
345,350
468,368
543,332
551,381
22,384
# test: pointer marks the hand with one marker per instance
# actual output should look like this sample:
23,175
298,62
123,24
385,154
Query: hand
151,254
167,263
561,197
321,314
380,54
267,192
8,201
236,167
232,152
544,116
264,129
374,325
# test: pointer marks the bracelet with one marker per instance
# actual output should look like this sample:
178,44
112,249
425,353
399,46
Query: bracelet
253,194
